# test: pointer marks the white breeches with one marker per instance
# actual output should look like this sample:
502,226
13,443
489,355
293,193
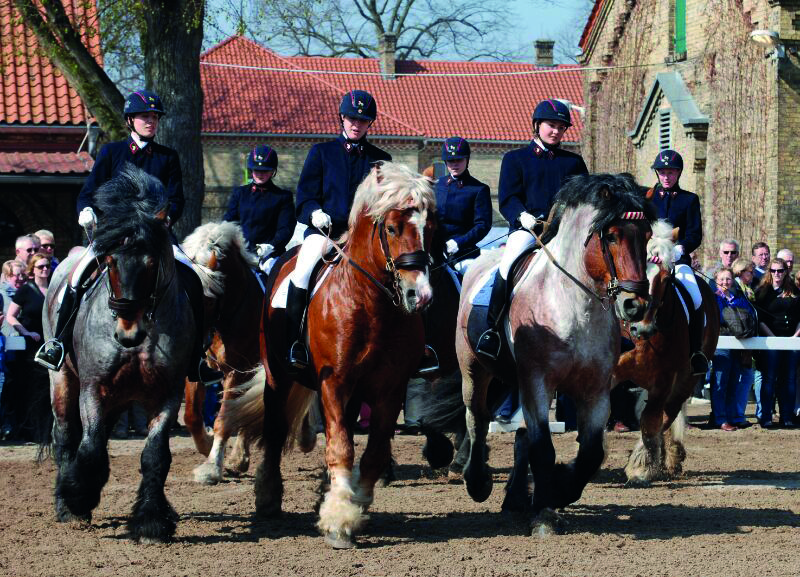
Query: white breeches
685,275
312,249
517,242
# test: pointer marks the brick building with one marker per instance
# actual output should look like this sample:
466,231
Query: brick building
253,95
43,158
686,74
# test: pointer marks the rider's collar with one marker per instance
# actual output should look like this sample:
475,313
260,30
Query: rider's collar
539,149
353,146
137,143
459,180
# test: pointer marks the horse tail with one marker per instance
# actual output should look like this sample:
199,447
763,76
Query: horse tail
444,409
245,412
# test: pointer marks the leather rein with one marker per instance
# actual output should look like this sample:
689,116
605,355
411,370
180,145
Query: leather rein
417,260
125,308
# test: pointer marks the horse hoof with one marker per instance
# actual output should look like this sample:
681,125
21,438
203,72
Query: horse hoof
546,524
269,511
479,490
339,540
513,505
65,516
638,483
206,475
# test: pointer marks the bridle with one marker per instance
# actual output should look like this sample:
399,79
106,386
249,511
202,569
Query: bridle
125,308
417,260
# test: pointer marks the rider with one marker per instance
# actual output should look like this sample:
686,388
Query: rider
463,205
325,191
264,211
530,177
143,110
682,209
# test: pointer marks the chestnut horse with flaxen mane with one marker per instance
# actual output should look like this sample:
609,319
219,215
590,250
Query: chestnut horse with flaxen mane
366,340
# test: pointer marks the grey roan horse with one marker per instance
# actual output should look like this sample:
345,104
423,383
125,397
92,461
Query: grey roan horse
132,341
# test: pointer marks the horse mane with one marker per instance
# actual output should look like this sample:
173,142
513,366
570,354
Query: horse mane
224,238
390,186
130,203
661,245
611,195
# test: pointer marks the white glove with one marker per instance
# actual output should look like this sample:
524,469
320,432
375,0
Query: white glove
320,219
87,218
677,252
264,250
451,247
527,220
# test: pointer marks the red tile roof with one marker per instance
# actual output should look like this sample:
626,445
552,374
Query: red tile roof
33,90
45,162
484,106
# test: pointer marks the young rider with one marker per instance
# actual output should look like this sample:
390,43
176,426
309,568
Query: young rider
325,191
143,111
682,209
529,180
264,211
463,205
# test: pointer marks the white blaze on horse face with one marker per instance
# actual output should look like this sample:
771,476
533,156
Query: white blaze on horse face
423,286
418,218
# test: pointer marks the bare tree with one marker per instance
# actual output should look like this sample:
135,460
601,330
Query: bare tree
470,29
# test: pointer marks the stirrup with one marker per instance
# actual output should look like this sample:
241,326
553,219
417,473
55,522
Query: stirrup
298,356
429,363
52,356
699,363
489,344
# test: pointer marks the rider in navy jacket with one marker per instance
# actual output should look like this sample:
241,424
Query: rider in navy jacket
331,173
682,210
155,159
263,210
463,204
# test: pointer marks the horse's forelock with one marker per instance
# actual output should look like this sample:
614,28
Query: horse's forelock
391,186
224,238
661,245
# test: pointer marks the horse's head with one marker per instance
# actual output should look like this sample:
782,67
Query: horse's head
617,237
400,204
133,239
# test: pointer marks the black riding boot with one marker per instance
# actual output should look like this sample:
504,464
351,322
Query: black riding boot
51,354
698,361
489,342
296,302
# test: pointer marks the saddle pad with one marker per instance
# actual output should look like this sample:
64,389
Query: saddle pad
279,298
482,292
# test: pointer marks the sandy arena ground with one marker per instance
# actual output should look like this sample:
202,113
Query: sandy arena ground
735,512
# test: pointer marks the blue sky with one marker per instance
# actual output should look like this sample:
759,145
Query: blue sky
559,20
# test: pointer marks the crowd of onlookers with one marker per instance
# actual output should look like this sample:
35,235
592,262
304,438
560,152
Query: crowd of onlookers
756,296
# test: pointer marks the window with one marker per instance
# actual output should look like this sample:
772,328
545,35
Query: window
664,131
679,26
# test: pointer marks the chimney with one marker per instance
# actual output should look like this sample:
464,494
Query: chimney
387,47
544,52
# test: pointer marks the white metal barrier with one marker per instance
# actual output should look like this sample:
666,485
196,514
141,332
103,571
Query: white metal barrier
760,343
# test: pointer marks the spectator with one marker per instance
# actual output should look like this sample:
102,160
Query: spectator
760,256
30,397
779,316
750,376
25,247
788,258
48,247
728,252
727,413
13,278
743,275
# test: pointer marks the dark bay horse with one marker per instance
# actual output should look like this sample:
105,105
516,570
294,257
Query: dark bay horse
132,341
365,340
660,364
564,335
232,294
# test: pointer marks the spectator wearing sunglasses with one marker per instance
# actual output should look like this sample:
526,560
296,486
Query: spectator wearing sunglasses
48,246
26,246
728,253
778,303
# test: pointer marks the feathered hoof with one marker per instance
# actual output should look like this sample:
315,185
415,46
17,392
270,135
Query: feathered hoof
207,474
339,515
546,524
64,515
339,540
154,529
514,504
638,483
238,464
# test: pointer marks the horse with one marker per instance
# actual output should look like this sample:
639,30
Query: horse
366,339
563,334
660,364
233,292
133,340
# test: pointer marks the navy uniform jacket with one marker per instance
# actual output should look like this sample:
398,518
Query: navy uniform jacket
154,159
463,213
530,177
330,177
681,209
265,213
